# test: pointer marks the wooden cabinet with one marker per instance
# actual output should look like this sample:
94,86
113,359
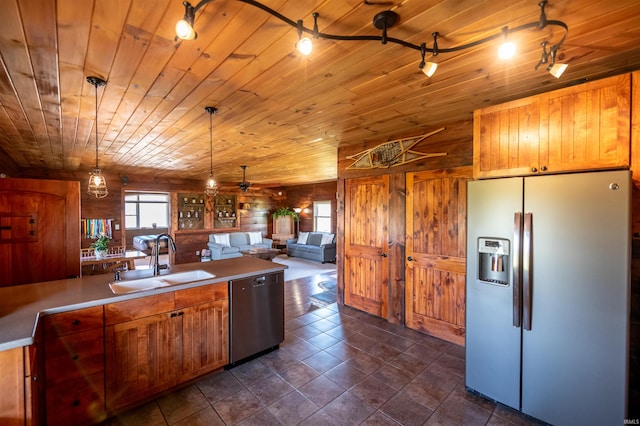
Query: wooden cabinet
12,390
576,128
74,367
191,211
225,212
164,341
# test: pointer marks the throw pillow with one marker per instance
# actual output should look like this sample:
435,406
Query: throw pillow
302,237
326,239
222,239
255,237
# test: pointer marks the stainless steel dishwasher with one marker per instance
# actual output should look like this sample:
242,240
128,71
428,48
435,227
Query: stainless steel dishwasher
257,315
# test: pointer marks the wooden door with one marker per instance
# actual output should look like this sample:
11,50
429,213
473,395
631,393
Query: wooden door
39,230
366,266
205,338
140,358
436,252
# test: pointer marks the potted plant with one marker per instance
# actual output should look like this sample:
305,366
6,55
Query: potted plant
101,246
285,211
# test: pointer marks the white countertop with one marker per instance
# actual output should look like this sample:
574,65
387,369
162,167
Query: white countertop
21,305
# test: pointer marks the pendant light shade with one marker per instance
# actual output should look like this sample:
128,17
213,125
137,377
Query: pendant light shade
97,183
211,188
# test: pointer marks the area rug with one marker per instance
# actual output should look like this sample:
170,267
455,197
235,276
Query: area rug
328,296
300,268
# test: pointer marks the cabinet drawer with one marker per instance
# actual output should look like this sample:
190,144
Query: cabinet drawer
138,308
76,402
71,322
203,294
74,356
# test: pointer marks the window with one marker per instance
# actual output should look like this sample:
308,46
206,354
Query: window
143,209
322,216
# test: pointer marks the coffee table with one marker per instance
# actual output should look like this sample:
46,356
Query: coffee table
261,253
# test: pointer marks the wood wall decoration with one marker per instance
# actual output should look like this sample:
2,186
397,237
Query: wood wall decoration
393,153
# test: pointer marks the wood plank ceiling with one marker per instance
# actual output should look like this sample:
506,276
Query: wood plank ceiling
282,114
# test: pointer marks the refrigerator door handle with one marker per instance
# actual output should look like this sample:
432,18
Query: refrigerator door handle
516,279
526,271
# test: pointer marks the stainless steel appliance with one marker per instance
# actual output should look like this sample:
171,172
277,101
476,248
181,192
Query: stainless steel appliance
257,315
547,334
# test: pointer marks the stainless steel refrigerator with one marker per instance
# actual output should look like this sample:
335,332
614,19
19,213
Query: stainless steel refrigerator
548,277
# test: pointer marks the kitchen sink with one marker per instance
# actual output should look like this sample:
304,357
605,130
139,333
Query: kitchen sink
151,283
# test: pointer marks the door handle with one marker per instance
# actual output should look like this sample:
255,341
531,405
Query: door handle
383,254
517,262
526,271
410,258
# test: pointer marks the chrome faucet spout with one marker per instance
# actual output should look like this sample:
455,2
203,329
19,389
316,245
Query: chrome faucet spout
156,260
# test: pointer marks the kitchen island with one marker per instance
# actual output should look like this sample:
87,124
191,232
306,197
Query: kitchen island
74,343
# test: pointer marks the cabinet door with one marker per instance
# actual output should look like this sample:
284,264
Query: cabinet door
140,358
581,127
12,392
205,338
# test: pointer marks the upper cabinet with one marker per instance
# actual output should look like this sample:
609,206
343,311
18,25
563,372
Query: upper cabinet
576,128
195,211
224,210
191,211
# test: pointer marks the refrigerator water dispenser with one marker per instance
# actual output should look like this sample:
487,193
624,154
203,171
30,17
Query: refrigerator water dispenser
493,261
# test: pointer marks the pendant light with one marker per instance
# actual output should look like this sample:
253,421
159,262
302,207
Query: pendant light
97,182
211,189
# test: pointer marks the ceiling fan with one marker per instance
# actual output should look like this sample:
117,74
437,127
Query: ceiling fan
244,185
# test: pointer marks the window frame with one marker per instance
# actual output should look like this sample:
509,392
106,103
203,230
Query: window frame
137,203
316,215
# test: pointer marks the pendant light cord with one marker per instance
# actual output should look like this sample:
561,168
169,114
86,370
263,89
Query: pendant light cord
96,86
211,143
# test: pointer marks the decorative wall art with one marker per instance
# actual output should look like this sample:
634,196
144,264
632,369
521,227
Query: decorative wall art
393,153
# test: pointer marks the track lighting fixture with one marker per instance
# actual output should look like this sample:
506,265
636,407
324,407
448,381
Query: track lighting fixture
384,21
507,48
549,58
429,68
211,188
97,183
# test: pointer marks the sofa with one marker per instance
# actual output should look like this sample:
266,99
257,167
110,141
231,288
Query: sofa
318,246
228,245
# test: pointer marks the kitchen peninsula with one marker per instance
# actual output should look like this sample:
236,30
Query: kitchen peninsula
72,351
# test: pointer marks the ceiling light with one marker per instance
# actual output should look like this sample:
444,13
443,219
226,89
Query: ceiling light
429,68
184,27
211,188
549,58
557,70
97,183
384,21
507,48
244,185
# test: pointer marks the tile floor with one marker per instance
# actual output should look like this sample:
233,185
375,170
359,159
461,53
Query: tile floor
337,366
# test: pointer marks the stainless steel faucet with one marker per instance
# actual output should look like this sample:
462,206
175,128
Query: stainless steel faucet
156,263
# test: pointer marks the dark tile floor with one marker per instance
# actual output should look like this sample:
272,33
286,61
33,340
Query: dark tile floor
337,366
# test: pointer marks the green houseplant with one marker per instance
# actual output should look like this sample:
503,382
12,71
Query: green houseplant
285,211
101,245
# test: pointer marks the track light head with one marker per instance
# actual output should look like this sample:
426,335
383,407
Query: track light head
184,27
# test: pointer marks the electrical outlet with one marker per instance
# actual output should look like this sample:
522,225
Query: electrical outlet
197,252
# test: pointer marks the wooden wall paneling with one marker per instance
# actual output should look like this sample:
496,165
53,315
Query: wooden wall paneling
397,211
303,196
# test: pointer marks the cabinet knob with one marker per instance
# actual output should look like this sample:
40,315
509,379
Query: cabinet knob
75,322
533,169
76,402
75,357
543,168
